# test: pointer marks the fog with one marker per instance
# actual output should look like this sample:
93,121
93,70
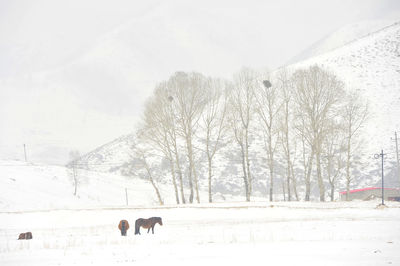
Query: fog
74,74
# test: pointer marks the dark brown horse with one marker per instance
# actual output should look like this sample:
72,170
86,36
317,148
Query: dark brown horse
123,226
147,223
27,235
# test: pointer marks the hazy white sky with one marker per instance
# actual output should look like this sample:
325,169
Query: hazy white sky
61,30
73,40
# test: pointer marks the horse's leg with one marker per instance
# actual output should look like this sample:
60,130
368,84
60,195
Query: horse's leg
137,228
152,229
148,230
123,229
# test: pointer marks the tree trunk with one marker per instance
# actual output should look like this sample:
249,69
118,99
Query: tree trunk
271,182
249,177
209,179
178,165
160,201
192,170
294,182
76,186
196,184
348,178
168,153
288,167
319,176
174,180
246,183
152,182
189,148
288,187
308,176
271,166
287,148
74,171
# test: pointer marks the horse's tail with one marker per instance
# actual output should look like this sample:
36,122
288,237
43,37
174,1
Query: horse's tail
137,227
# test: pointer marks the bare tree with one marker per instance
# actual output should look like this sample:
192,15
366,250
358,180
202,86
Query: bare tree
355,113
157,127
242,101
188,91
317,94
267,108
239,136
307,152
284,82
174,142
142,153
333,161
214,123
73,166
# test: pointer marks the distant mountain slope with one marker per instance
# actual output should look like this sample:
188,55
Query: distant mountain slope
341,37
111,157
370,65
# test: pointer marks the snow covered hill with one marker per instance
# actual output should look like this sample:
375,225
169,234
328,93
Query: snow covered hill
370,65
25,186
341,37
32,187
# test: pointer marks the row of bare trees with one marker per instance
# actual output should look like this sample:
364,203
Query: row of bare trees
304,121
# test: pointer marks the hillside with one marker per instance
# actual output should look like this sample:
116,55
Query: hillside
341,37
25,186
370,65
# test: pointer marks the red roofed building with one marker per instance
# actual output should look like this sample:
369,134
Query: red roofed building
372,193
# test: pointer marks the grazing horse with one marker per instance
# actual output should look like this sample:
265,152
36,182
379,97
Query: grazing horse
123,226
27,235
147,223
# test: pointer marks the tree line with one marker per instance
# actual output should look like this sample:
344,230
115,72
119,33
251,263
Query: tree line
306,122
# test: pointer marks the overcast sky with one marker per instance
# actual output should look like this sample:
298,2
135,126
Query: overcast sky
47,35
67,28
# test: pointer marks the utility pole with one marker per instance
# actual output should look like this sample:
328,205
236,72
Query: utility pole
376,156
397,155
126,196
25,152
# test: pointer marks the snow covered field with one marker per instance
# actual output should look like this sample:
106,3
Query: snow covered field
261,233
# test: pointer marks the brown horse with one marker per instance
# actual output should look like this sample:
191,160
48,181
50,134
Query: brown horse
147,223
27,235
123,226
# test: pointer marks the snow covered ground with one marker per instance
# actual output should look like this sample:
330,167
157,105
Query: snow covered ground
297,233
82,230
26,186
31,187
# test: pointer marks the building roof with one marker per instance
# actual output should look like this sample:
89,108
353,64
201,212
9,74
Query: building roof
368,188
